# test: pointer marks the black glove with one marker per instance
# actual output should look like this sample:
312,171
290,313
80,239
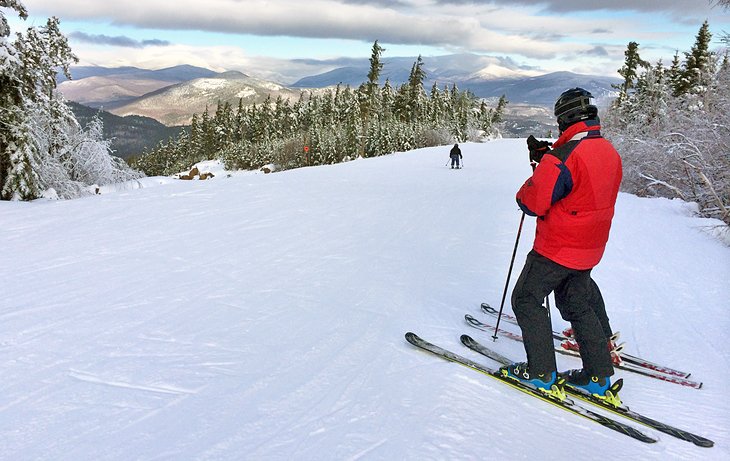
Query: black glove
537,148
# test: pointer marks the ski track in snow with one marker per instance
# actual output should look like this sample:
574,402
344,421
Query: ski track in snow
262,317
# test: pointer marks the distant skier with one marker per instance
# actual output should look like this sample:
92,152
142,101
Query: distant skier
455,155
573,193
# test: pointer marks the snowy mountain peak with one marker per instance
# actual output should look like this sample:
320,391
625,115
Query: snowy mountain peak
496,71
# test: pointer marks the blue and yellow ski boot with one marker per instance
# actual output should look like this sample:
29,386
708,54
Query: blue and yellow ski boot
548,383
598,387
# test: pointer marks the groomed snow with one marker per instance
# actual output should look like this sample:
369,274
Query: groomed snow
257,316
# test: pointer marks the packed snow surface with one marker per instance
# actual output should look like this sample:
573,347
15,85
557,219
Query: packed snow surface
262,316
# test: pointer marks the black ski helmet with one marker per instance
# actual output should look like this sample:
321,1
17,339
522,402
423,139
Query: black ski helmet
574,105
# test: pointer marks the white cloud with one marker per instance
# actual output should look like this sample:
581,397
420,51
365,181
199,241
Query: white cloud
685,7
468,28
534,32
218,58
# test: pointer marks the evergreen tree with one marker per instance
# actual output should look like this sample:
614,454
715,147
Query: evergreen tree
15,152
489,118
44,50
674,75
208,148
223,124
417,75
650,101
14,5
376,66
415,92
698,63
435,105
22,182
629,71
369,105
283,118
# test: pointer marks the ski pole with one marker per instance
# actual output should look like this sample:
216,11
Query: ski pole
509,274
511,264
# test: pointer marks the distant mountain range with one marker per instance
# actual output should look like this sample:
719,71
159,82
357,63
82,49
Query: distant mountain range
106,87
175,104
172,95
129,135
486,77
169,94
174,74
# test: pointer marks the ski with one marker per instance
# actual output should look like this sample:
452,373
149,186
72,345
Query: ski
567,404
479,325
624,356
621,410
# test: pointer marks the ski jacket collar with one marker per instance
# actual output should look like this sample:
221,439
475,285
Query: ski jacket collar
577,131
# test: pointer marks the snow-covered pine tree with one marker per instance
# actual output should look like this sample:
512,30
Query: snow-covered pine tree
42,146
489,118
21,182
17,177
282,119
387,96
44,50
371,89
415,91
698,63
674,75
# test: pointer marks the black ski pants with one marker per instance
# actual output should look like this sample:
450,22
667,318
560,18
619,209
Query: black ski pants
577,297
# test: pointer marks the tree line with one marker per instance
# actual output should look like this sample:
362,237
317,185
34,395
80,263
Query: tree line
329,126
671,125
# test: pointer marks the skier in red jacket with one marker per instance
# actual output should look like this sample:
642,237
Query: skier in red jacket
572,192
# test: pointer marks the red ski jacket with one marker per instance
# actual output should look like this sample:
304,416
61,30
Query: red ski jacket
573,193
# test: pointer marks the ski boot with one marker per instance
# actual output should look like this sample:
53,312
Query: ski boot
548,383
600,388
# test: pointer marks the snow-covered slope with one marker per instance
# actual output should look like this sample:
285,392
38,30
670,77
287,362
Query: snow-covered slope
100,91
262,317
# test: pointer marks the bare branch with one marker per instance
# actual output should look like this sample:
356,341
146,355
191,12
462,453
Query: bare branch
655,181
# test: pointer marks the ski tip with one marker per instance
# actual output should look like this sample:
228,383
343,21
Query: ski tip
703,442
466,339
699,440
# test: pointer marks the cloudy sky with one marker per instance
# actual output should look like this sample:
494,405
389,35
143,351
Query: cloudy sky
286,39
